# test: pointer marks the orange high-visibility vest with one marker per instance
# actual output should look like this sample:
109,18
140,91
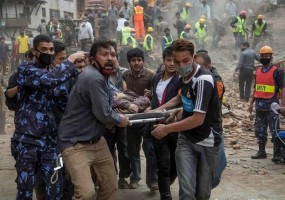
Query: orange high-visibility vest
138,14
264,85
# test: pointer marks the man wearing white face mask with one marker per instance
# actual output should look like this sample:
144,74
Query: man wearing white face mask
198,125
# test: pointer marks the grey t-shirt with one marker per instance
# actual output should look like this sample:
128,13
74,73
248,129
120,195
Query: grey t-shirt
88,110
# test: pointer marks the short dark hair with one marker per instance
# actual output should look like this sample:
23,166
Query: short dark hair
205,57
135,52
167,52
202,51
43,21
101,44
121,15
246,44
58,47
29,54
183,45
41,38
126,23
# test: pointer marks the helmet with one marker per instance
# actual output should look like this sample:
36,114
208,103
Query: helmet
149,29
202,21
203,17
265,49
243,12
259,17
188,26
188,4
133,30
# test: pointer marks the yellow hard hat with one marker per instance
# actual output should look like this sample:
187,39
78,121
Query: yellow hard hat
203,17
188,26
133,30
259,17
202,21
149,29
265,50
188,4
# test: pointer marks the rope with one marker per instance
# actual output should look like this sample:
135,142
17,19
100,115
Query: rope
59,165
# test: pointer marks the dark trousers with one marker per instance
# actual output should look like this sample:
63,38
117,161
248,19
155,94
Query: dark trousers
245,80
135,135
166,165
119,137
239,39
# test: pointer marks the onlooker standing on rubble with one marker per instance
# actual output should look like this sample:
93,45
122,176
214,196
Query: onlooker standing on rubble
150,6
4,57
206,10
104,26
245,69
23,42
269,88
165,86
231,11
85,34
179,24
161,25
42,28
138,79
113,14
198,125
126,11
88,112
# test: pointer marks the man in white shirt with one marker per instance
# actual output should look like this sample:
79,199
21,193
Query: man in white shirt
85,34
121,22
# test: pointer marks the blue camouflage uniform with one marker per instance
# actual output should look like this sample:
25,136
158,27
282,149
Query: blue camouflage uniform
264,115
34,140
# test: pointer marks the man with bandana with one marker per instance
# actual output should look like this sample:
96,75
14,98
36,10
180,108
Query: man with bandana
198,125
89,111
34,141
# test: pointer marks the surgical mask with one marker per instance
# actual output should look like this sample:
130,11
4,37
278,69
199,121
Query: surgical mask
185,70
265,61
45,58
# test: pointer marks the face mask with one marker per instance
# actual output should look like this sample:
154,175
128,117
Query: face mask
105,72
242,49
45,58
184,71
265,61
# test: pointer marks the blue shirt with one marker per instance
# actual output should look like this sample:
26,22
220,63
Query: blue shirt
40,90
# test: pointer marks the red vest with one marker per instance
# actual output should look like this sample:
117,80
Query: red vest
138,14
264,84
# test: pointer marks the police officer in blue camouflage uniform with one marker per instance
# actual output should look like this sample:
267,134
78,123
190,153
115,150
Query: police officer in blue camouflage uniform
269,82
34,140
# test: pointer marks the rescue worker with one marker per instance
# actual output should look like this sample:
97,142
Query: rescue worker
258,31
148,41
186,33
139,20
269,82
197,24
126,32
184,13
239,28
201,34
167,39
131,41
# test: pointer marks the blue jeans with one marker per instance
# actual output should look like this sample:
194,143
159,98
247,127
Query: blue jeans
196,166
135,135
222,163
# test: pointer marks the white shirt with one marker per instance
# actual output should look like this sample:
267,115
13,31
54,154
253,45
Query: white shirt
161,87
121,22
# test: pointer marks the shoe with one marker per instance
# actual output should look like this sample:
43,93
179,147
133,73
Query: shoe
153,186
259,155
133,185
123,184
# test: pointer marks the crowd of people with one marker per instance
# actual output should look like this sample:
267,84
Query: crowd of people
72,105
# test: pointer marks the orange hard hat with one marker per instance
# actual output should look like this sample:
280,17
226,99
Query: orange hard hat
243,12
266,50
259,17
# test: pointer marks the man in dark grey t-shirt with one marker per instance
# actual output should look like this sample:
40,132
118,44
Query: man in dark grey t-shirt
87,114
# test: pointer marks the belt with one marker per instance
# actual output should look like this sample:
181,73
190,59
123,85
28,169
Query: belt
92,141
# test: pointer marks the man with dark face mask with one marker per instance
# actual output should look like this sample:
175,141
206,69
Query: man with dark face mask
245,69
269,88
258,31
88,113
35,138
239,28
